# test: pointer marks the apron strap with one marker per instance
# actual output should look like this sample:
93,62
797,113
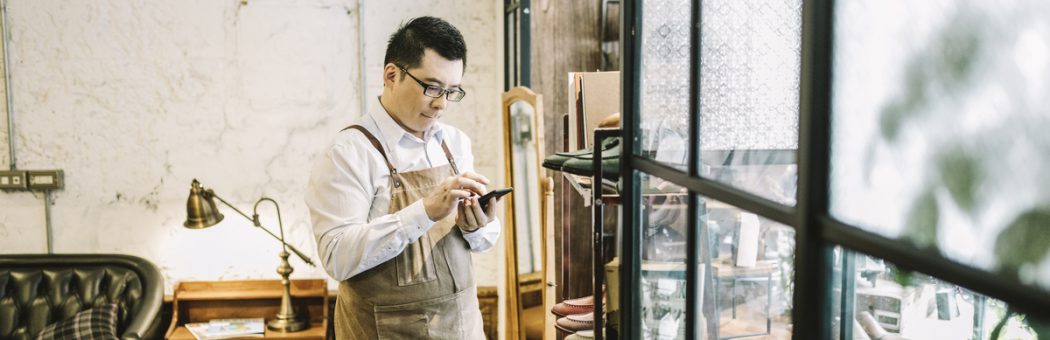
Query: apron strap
379,147
451,160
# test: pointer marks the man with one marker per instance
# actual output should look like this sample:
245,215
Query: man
394,201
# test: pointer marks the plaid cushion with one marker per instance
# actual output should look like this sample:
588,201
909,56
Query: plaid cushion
93,323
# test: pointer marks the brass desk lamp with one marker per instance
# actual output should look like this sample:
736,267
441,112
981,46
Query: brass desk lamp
202,213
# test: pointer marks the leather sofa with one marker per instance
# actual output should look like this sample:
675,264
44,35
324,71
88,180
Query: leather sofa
39,289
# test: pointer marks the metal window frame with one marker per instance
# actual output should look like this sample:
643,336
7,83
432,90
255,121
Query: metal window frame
816,232
517,43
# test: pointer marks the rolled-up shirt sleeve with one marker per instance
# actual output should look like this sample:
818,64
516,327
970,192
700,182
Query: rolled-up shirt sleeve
340,195
485,237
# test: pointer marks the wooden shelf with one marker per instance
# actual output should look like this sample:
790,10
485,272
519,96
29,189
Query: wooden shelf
201,301
582,186
250,289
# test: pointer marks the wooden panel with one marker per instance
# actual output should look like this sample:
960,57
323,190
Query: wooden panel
202,311
246,289
565,38
488,298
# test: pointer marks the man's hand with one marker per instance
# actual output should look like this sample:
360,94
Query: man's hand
471,216
443,200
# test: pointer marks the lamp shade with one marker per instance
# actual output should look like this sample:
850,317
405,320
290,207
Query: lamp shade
200,208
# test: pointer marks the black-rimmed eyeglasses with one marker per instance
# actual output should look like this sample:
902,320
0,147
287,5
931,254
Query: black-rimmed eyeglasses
433,91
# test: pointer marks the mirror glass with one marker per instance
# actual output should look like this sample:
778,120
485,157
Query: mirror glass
525,172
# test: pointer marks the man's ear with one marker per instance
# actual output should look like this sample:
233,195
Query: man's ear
390,74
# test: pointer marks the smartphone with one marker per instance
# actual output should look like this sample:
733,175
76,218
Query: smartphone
484,200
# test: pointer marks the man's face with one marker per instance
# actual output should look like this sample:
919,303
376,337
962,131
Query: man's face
415,111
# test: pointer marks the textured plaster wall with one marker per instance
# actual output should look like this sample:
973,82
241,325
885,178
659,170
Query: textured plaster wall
135,99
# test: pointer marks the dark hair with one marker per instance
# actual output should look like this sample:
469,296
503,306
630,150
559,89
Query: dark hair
406,46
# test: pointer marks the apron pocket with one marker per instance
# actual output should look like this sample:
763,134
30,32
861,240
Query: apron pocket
415,264
457,255
401,325
438,318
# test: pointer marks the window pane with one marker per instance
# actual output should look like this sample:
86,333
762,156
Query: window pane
751,261
888,302
939,130
745,266
664,88
749,64
750,54
665,232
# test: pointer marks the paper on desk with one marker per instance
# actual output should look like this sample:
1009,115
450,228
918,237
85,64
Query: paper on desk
227,328
747,247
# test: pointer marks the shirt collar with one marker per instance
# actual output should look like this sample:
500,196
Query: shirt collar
392,132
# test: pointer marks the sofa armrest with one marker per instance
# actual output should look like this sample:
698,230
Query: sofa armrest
146,317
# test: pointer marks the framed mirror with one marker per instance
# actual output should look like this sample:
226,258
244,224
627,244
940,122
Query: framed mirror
525,226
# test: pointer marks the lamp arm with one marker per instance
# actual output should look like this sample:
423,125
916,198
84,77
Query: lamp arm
255,221
280,224
212,193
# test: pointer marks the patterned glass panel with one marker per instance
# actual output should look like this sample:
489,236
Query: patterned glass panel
749,64
664,98
939,130
750,54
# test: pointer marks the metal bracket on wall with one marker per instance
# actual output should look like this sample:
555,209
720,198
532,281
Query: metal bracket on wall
12,180
44,179
31,180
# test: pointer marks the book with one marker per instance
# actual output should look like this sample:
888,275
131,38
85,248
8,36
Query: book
227,329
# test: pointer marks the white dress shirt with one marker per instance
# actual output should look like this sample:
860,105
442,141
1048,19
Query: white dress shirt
349,194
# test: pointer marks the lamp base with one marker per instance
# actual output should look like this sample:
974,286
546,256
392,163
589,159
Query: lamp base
286,325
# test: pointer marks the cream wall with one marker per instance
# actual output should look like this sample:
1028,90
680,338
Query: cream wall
134,99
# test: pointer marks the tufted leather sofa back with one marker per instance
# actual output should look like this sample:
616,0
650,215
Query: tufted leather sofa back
37,290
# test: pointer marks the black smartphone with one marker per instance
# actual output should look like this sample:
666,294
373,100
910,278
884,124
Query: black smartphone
484,200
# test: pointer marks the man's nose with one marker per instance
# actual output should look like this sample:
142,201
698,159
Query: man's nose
439,103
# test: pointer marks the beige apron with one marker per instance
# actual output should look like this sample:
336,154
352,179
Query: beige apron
427,291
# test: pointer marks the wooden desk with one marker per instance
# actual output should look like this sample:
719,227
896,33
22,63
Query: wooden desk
200,301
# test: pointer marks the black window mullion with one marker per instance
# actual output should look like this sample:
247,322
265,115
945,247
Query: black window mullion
813,260
691,277
524,42
846,303
508,42
516,44
631,256
695,224
720,191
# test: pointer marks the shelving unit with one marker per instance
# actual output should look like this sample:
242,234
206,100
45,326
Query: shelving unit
201,301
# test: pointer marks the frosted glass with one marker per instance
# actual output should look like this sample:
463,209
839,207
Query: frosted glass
940,128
